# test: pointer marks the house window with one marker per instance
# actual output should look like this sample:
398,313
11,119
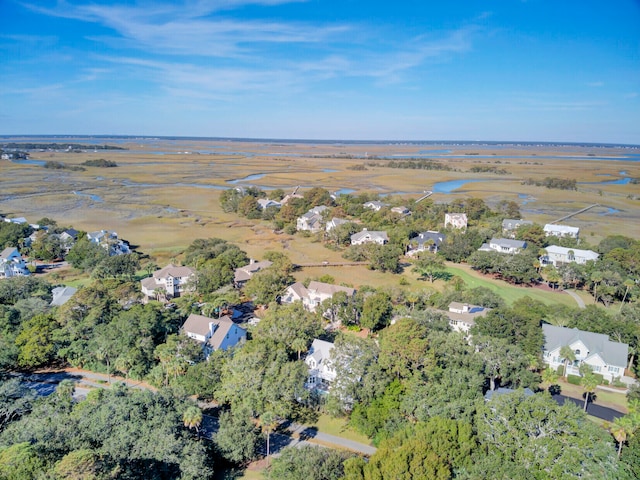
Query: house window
614,369
597,368
577,351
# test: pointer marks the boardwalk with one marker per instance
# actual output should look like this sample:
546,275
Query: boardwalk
576,213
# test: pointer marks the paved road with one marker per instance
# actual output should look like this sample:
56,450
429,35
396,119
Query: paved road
577,298
594,410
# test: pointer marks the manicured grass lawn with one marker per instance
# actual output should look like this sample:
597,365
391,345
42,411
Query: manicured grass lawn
509,293
339,428
617,401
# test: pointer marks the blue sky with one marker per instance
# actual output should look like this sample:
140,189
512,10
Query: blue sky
536,70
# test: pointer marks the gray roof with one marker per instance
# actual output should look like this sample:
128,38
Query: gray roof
329,289
243,274
61,295
507,242
320,351
613,353
373,235
173,271
424,237
7,252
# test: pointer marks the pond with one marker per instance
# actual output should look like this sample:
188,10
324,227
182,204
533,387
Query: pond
451,185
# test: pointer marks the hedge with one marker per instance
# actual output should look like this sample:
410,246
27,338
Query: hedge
574,379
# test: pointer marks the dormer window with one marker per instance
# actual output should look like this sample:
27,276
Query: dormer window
577,352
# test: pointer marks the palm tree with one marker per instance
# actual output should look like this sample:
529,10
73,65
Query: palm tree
596,278
549,376
622,429
569,356
628,283
268,422
299,345
589,382
192,417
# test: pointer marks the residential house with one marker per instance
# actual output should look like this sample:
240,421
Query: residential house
12,263
510,225
313,295
170,281
213,333
462,316
312,221
404,211
557,256
17,220
456,220
62,295
335,222
109,240
366,236
243,274
428,240
264,203
504,245
605,357
561,231
375,205
321,371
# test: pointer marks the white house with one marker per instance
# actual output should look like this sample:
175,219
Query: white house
456,220
170,281
312,221
335,222
321,371
374,205
605,357
12,263
366,236
404,211
462,316
243,274
109,240
428,240
213,333
313,295
559,255
504,245
561,231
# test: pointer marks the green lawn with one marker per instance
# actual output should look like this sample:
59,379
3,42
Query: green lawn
509,293
339,428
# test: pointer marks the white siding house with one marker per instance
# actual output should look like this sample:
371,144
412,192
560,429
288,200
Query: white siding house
213,333
558,255
171,281
605,357
12,264
321,371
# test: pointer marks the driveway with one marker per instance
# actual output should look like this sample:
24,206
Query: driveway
594,410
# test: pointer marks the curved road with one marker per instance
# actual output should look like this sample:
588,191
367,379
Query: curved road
577,298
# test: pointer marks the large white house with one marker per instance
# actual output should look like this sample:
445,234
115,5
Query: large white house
559,255
12,263
313,295
213,333
561,230
369,236
321,371
171,281
428,240
605,357
504,245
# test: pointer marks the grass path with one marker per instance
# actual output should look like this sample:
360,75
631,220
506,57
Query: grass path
508,292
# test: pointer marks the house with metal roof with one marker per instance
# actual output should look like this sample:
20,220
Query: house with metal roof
12,264
462,316
561,230
62,295
605,357
504,245
557,256
312,221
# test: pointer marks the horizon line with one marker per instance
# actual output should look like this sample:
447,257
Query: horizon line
329,140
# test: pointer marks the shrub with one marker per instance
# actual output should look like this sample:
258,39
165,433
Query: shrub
560,370
574,379
599,377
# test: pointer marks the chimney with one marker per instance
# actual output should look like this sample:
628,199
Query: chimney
465,308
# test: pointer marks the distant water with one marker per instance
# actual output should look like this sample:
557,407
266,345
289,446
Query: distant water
451,185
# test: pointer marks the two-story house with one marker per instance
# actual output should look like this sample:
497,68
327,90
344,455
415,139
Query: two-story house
313,295
504,245
456,220
12,264
369,236
605,357
557,256
213,333
462,316
312,221
170,281
561,230
321,371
